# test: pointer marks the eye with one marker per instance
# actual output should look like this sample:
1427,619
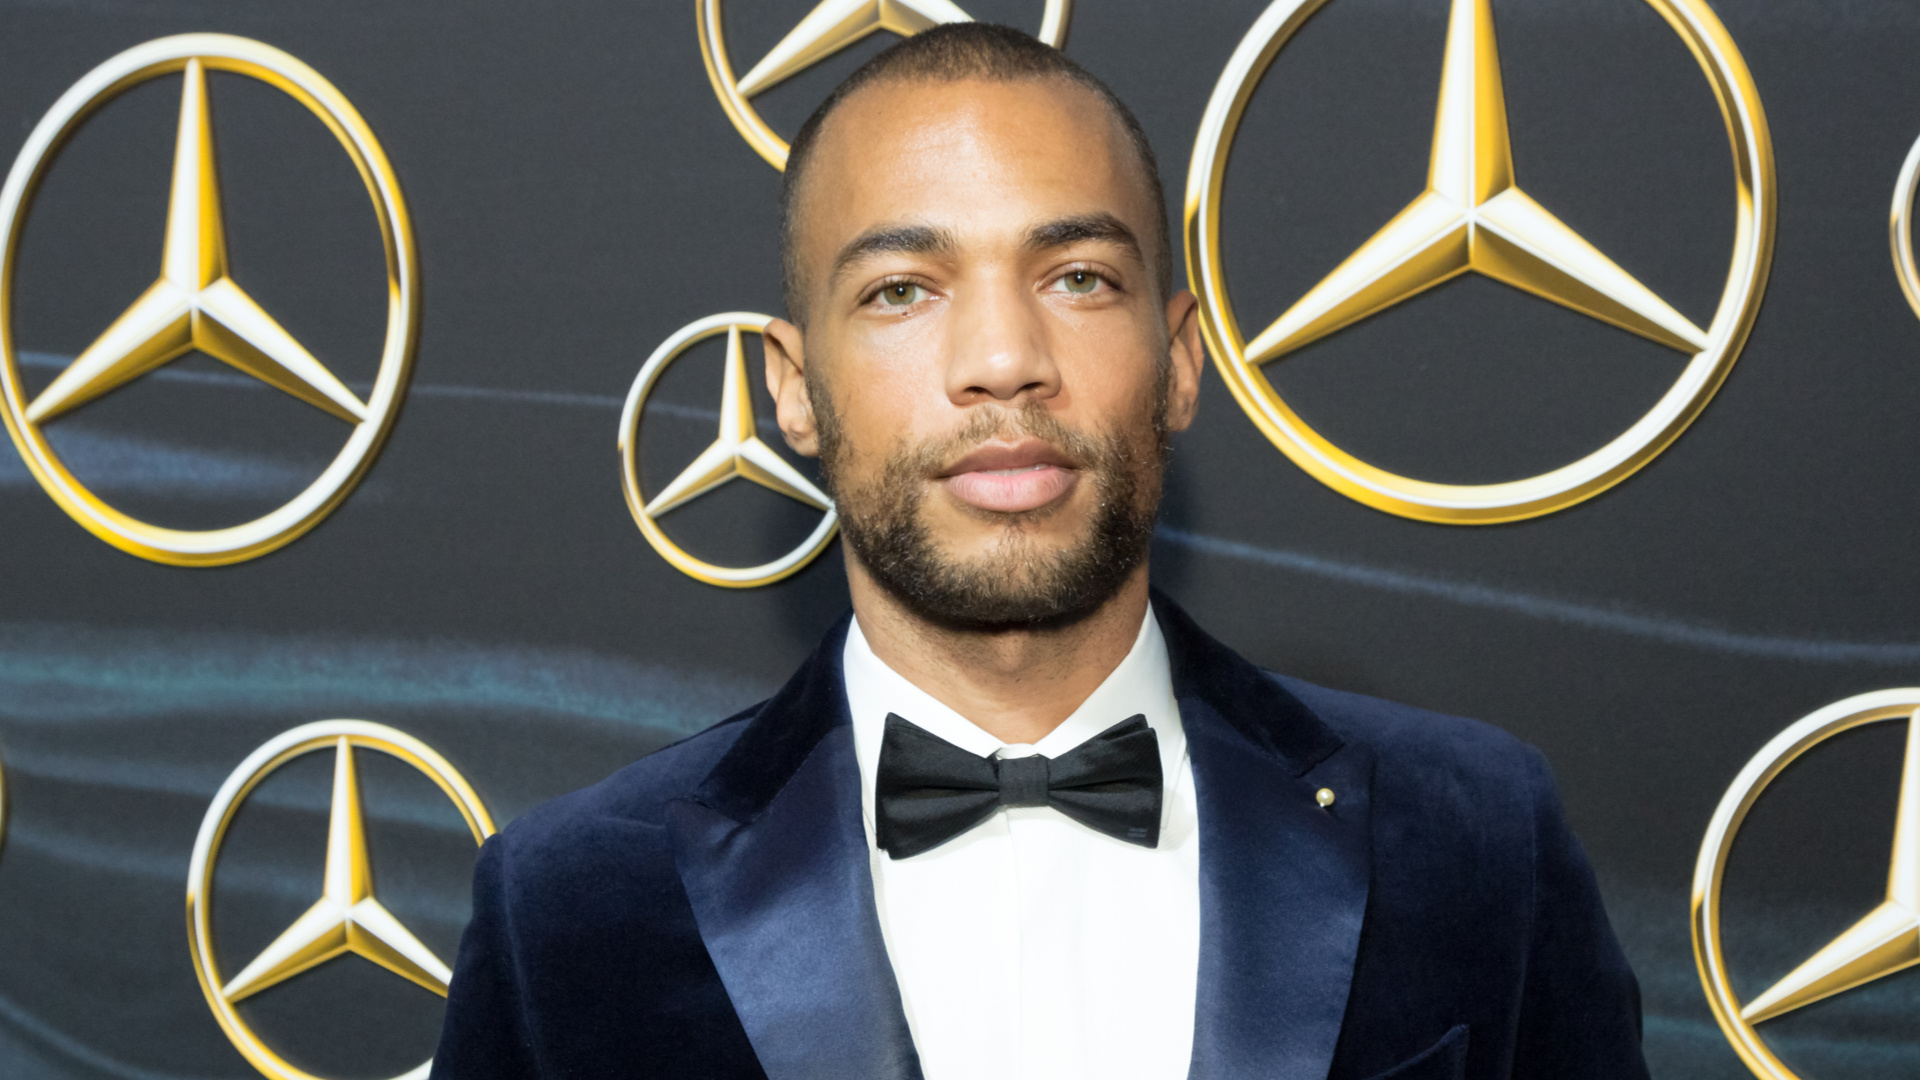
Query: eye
1081,282
902,294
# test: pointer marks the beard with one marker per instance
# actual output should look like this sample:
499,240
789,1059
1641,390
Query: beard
1020,581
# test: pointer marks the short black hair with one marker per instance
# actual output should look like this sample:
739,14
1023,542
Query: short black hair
949,53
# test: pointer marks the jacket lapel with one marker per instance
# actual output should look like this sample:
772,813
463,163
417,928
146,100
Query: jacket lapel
1283,881
773,854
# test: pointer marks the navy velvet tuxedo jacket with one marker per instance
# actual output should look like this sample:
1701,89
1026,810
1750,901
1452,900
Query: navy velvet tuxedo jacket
708,911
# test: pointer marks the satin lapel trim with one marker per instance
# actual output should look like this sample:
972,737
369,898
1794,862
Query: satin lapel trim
1283,892
785,906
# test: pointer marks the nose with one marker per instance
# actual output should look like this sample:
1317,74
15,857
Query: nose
998,349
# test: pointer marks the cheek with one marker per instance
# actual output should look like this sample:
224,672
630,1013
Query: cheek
1108,368
894,385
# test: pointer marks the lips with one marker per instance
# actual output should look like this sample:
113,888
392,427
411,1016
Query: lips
1010,478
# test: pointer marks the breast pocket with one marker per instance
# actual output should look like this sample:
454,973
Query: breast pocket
1444,1060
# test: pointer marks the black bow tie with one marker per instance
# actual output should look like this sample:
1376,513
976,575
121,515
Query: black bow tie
930,791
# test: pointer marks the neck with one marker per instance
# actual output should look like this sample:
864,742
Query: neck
1016,684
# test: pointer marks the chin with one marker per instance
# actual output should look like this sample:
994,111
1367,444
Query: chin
1020,537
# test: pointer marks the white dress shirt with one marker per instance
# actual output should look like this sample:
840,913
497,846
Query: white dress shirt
1032,947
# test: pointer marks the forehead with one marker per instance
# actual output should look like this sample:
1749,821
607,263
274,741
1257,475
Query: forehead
974,156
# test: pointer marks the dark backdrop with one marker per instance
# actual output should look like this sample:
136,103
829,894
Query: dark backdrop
579,195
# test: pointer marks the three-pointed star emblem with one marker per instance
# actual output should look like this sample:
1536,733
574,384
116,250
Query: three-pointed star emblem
1886,940
738,451
195,304
347,918
835,24
1473,217
828,27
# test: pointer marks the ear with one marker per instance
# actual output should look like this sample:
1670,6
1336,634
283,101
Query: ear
1189,360
787,382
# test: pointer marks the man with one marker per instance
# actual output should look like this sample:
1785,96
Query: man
1018,816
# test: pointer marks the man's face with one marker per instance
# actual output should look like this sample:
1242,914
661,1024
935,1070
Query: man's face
987,368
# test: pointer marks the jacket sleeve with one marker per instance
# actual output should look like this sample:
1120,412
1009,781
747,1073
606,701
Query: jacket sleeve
1580,1006
485,1036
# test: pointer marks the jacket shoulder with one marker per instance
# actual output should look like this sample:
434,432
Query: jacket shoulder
579,895
634,797
1477,881
1405,737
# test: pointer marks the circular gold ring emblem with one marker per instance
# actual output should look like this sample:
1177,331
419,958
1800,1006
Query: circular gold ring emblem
347,918
737,452
831,26
1474,218
1881,943
1903,261
196,304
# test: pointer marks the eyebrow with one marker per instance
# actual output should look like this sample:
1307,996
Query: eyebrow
1073,230
893,239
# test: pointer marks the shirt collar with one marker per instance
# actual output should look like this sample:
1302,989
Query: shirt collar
1141,684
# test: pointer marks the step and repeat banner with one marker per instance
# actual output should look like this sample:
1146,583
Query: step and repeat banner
377,378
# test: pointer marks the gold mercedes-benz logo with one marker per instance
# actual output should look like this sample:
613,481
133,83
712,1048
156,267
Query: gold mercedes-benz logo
737,452
1886,940
832,25
347,918
1474,218
197,305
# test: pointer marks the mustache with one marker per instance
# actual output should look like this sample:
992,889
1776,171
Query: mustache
1032,421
